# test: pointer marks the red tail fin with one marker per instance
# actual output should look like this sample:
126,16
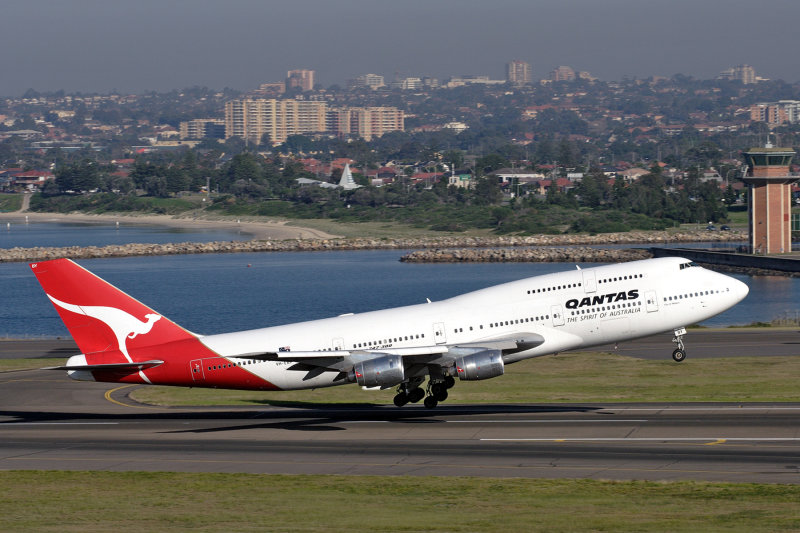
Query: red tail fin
99,316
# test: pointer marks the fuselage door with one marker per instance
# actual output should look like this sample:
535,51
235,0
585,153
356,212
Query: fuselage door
196,368
558,315
589,281
439,335
337,344
651,301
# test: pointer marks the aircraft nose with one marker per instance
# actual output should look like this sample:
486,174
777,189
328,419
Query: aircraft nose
740,290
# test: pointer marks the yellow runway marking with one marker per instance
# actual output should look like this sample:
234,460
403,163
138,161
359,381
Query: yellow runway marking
108,397
718,441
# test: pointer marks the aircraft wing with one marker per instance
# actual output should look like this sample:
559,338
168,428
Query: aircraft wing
441,355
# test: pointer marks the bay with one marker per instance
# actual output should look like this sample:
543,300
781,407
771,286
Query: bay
216,293
18,234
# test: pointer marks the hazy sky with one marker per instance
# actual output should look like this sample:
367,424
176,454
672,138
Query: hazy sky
140,45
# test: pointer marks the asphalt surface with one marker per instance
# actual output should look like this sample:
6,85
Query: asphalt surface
48,421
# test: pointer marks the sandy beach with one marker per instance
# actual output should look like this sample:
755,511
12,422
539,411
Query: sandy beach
267,229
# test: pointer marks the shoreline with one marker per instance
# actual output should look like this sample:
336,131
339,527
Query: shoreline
277,236
258,229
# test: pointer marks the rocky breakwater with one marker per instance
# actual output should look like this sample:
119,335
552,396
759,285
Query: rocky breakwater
526,255
445,244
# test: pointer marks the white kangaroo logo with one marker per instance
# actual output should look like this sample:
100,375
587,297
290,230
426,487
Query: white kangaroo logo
124,325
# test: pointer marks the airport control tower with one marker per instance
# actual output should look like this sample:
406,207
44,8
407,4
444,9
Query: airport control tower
770,199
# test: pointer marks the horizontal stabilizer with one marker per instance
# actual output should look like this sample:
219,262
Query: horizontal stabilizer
112,367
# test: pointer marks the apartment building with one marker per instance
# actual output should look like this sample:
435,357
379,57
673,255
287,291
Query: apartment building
365,122
202,128
744,73
563,73
777,113
302,79
251,118
373,81
518,72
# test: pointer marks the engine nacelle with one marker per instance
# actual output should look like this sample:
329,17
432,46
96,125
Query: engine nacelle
482,365
385,371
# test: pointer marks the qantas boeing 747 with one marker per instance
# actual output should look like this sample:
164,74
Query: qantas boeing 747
470,337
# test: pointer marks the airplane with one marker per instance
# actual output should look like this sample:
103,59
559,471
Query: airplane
472,336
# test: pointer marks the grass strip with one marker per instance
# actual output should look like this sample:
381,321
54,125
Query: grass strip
571,377
11,365
134,501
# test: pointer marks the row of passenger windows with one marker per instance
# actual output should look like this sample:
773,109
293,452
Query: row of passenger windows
371,344
556,288
691,295
231,365
573,285
605,308
507,323
620,278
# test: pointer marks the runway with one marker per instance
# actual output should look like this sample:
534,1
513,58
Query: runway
50,422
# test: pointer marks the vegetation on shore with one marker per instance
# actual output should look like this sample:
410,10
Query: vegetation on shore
164,501
10,202
254,185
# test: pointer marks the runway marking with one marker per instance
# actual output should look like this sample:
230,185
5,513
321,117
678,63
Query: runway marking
713,440
606,410
718,441
108,397
545,421
14,424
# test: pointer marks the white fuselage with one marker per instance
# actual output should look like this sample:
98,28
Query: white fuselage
570,310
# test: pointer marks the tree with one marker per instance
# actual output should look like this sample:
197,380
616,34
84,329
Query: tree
487,191
78,177
490,163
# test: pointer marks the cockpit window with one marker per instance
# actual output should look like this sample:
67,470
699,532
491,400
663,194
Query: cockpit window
689,265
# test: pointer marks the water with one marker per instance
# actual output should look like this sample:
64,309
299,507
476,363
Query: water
227,292
30,235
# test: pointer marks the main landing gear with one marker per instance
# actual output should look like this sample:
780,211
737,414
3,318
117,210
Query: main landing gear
680,353
411,392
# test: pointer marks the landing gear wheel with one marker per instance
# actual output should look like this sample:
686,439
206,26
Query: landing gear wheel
449,381
440,395
679,354
416,395
401,399
430,402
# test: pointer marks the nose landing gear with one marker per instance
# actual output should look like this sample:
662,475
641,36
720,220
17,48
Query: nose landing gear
680,353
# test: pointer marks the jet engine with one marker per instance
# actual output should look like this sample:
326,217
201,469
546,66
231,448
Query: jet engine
482,365
385,371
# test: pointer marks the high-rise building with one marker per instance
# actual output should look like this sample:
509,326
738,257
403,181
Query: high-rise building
302,79
518,72
777,113
563,73
203,128
365,122
251,118
373,81
407,84
744,73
